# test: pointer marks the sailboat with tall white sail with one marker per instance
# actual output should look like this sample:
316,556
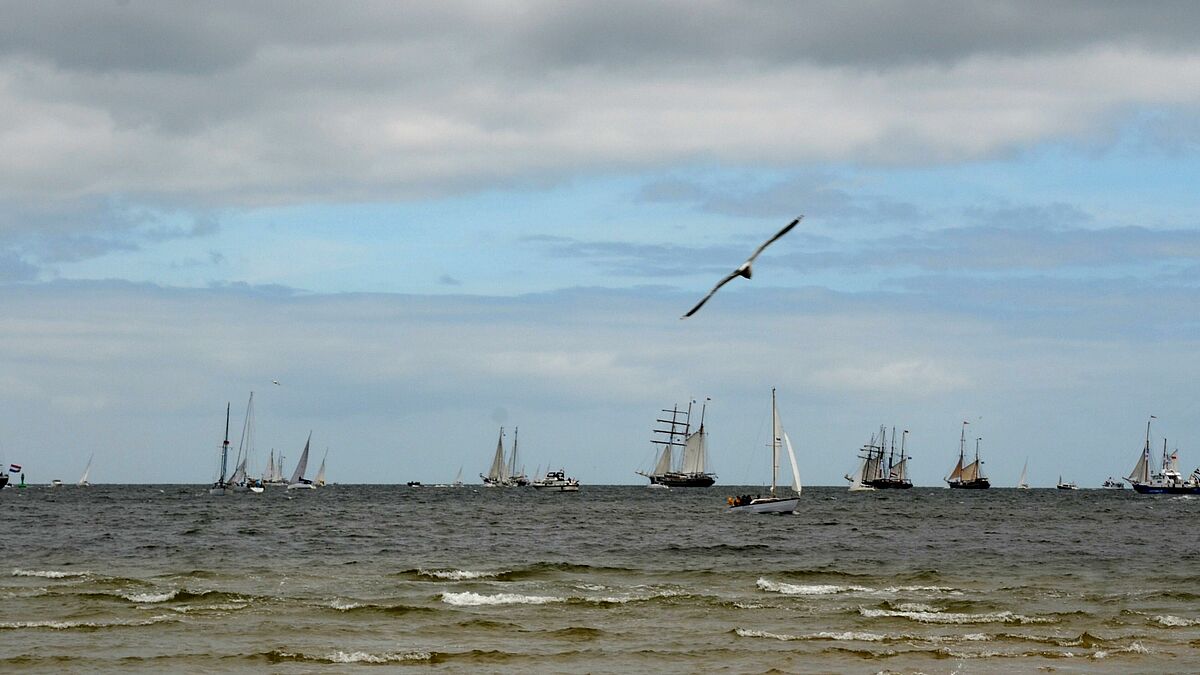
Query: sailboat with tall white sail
503,472
298,481
1023,481
240,480
676,433
87,470
221,486
772,503
320,479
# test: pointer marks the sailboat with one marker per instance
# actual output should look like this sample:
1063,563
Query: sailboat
220,487
457,478
878,472
503,472
497,475
1168,480
1023,481
320,479
692,470
83,480
298,481
969,477
772,503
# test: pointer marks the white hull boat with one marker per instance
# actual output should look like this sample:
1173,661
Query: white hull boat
772,503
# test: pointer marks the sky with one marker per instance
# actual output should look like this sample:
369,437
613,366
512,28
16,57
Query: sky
430,220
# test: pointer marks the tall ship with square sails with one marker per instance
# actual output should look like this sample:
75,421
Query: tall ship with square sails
676,432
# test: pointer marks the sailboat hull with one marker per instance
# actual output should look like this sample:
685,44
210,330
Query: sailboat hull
977,484
302,486
768,505
1150,489
684,480
890,484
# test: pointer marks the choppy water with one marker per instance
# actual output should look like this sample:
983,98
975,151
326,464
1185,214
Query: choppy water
612,579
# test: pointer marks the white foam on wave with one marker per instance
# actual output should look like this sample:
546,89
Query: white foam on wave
954,618
364,657
456,575
48,574
469,599
1175,621
150,598
807,589
915,607
222,607
343,605
67,625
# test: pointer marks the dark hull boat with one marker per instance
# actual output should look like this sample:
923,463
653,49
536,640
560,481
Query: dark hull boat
879,469
970,476
1168,480
676,432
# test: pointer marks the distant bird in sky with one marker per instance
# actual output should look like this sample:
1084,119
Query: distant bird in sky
743,270
275,382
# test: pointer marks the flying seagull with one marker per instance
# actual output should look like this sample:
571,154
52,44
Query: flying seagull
275,382
743,270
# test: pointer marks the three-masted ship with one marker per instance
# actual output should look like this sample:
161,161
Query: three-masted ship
880,468
969,476
676,432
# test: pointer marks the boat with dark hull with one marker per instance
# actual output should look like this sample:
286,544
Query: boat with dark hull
1168,480
676,433
880,469
222,486
969,476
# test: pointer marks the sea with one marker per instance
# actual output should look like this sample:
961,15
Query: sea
612,579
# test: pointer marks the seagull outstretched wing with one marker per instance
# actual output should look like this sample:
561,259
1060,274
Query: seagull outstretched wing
744,269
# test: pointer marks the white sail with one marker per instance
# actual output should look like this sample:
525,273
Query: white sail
858,480
664,462
1023,481
458,478
239,473
320,479
302,465
900,470
694,452
498,470
792,456
83,480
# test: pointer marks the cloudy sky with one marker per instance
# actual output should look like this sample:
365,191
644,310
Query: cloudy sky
430,220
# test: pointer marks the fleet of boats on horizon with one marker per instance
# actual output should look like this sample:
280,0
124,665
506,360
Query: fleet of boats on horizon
681,460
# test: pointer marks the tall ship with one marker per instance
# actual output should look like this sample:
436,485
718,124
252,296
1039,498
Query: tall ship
676,432
503,472
1168,480
969,476
880,468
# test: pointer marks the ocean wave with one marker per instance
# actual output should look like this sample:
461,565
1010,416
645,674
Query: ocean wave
350,657
364,657
954,618
48,574
469,599
150,598
843,636
220,607
807,589
1175,621
85,625
457,575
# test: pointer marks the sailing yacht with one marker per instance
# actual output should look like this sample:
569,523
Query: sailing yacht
298,481
1168,480
320,479
221,486
772,503
969,477
677,433
1023,481
83,480
503,472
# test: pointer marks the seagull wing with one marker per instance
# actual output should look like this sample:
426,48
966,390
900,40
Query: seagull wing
720,283
787,228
